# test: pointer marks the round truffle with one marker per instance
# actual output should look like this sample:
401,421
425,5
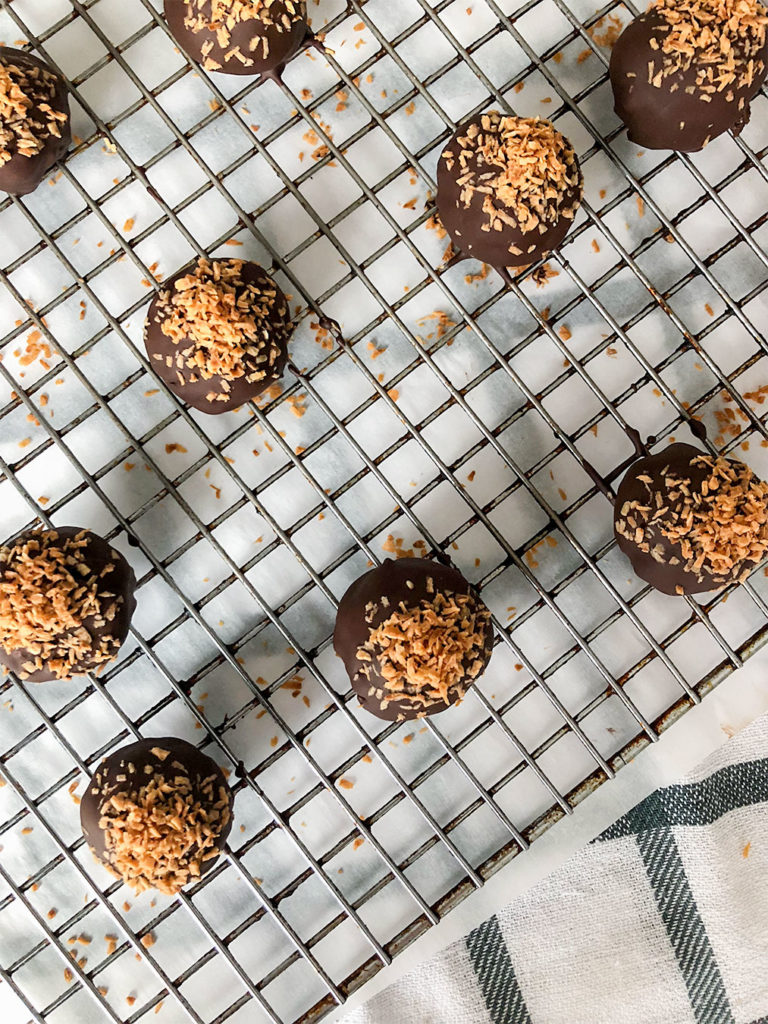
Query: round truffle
685,71
217,333
35,129
66,601
413,635
239,37
691,522
508,188
157,814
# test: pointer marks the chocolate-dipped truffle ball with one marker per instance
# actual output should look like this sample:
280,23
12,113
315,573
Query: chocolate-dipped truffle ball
239,37
66,601
508,188
35,129
217,333
157,814
413,635
685,71
691,522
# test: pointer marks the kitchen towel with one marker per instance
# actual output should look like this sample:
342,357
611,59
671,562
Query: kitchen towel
663,919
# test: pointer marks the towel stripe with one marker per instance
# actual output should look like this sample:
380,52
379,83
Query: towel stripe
685,928
697,803
495,974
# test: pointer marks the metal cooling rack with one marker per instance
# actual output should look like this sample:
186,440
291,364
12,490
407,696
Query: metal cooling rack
463,432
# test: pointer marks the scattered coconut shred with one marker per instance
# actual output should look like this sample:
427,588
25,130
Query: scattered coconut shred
722,38
428,653
222,16
159,833
27,119
47,592
523,167
224,328
718,528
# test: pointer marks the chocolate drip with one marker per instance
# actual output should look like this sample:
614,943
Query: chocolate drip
333,328
697,428
599,481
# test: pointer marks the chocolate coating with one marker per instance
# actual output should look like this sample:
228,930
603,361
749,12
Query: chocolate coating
206,47
466,224
22,174
197,767
667,116
390,580
121,581
663,574
196,389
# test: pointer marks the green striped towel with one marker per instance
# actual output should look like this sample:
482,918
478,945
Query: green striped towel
663,919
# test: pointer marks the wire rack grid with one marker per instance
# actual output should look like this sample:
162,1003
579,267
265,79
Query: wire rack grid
448,415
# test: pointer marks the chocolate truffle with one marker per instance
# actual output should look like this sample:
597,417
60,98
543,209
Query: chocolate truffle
413,635
66,601
685,71
35,129
691,522
157,814
217,333
508,188
239,37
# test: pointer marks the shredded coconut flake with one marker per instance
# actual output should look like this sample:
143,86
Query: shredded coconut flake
523,167
720,527
223,327
222,16
722,38
27,119
47,592
430,652
159,834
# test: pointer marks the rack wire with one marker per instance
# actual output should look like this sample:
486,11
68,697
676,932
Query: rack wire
450,415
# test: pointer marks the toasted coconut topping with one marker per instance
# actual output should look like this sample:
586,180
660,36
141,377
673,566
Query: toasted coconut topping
223,327
48,592
722,38
427,653
719,528
222,16
523,167
27,119
159,831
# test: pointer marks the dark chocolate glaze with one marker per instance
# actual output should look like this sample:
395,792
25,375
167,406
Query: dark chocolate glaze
282,44
465,224
21,174
196,765
352,630
333,328
121,582
653,115
697,428
676,458
195,392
